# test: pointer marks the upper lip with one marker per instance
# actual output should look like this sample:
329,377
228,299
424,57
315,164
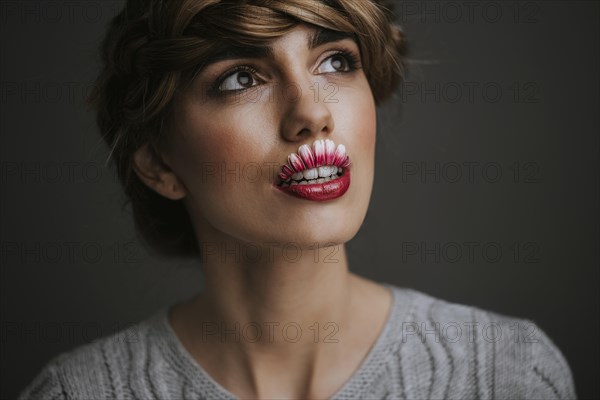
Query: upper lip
322,152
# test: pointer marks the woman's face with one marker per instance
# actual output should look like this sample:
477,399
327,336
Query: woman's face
244,114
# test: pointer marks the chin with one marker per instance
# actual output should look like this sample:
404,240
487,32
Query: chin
325,238
327,223
329,228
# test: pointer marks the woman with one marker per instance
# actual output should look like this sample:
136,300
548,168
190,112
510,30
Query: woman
244,135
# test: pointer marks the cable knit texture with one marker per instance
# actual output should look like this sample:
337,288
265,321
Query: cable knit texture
428,349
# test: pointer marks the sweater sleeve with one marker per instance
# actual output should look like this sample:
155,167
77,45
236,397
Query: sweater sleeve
45,386
549,371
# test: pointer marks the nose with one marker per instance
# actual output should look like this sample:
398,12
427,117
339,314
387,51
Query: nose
305,112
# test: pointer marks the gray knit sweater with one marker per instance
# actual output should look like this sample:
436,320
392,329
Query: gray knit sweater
428,349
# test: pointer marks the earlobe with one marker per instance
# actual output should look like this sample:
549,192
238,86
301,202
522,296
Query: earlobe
156,174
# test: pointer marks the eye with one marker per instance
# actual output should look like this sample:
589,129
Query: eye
240,79
339,62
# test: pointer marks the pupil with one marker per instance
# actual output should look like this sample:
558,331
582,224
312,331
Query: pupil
244,78
337,62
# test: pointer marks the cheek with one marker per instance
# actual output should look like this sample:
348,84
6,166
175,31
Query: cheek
368,127
217,159
208,141
361,123
360,120
227,141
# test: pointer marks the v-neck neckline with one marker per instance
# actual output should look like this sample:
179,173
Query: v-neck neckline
373,361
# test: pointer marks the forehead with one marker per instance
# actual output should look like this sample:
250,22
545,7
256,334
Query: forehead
311,35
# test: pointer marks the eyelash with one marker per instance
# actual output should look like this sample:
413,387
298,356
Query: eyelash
352,58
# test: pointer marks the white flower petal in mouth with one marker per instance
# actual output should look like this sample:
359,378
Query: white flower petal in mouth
339,155
307,156
296,162
329,151
319,150
322,160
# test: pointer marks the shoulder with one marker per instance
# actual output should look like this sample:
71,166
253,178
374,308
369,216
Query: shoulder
468,351
93,370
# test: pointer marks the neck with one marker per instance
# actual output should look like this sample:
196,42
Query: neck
257,318
297,286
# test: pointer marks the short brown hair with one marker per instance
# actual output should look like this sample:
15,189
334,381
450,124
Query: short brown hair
152,48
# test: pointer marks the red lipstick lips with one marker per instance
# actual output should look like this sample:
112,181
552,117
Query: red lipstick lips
319,173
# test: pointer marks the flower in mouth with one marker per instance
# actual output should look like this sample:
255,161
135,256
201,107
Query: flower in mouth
321,163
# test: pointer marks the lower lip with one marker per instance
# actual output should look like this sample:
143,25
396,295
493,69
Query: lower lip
320,191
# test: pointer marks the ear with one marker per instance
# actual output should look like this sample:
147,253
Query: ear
157,175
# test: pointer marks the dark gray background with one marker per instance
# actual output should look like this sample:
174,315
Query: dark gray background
72,269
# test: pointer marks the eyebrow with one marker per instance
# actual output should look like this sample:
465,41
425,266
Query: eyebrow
316,38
